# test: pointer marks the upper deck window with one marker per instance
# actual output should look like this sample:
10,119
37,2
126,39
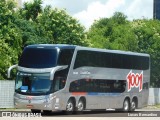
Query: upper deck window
38,58
111,60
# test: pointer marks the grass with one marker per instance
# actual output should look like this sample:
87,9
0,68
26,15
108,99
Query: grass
157,106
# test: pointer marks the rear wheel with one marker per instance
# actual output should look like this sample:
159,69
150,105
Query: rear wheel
126,105
80,106
133,105
70,107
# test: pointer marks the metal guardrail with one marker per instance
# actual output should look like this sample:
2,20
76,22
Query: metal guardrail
6,93
154,96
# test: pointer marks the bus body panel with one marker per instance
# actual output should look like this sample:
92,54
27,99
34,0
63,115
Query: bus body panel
89,77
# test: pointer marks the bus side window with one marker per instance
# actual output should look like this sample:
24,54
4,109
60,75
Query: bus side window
59,83
119,86
74,86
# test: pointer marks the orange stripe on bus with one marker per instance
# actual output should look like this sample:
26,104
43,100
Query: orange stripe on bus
79,93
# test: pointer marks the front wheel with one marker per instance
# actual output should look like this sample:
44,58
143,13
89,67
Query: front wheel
47,112
35,111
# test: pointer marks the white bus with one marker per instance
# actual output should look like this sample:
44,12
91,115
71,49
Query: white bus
71,78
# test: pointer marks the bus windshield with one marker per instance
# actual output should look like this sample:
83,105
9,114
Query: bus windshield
38,58
32,83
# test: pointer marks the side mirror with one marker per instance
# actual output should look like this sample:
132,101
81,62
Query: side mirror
9,70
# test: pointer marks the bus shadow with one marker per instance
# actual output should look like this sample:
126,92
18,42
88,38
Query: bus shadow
85,113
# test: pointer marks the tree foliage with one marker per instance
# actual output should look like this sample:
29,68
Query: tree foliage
33,25
61,28
48,25
148,37
113,33
138,36
10,39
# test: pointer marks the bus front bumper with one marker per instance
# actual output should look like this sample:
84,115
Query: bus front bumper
35,103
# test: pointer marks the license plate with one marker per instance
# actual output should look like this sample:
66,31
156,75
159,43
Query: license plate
29,106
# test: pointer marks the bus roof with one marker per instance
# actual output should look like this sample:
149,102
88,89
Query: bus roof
112,51
51,46
67,46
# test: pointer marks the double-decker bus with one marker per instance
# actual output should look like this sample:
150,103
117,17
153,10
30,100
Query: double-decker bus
71,78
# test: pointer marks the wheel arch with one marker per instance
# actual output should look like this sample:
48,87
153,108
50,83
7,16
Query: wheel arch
127,98
73,99
135,98
129,101
83,98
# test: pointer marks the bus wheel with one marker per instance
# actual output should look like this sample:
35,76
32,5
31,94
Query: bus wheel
80,106
70,107
133,105
47,112
35,111
126,105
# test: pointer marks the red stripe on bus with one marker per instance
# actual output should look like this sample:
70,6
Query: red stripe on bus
79,93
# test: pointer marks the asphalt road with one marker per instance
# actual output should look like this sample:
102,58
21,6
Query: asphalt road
85,114
100,114
108,113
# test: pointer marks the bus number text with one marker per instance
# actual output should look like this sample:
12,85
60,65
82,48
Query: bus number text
135,80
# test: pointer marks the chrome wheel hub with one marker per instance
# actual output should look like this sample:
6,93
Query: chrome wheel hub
133,105
80,106
126,105
69,107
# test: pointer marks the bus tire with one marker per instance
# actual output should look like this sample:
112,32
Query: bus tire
133,105
80,106
47,112
126,105
35,111
70,107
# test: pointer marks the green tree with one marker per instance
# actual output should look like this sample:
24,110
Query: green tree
34,25
31,10
138,36
61,28
48,25
113,33
32,32
10,39
148,36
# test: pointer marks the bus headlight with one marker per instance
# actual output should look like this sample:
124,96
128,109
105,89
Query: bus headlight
49,98
54,97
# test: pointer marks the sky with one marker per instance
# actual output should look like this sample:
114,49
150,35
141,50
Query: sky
87,11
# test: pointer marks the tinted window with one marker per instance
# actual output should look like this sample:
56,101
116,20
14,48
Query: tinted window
111,60
95,85
38,58
58,83
65,56
32,84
